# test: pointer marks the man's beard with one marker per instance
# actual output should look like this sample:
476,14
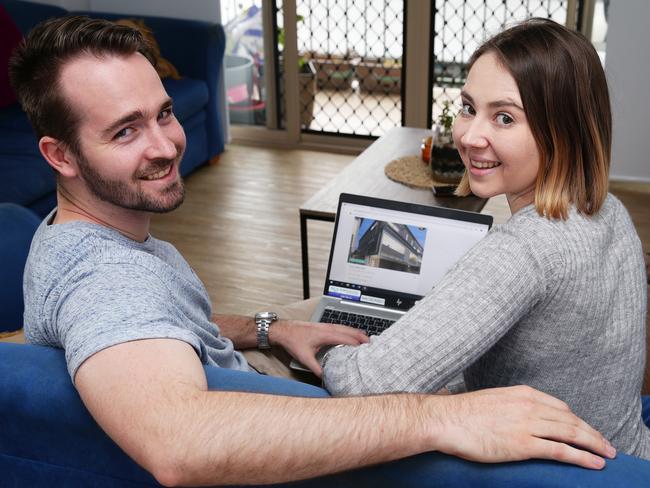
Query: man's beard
130,196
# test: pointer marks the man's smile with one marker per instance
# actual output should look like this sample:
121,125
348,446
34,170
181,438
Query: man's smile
159,174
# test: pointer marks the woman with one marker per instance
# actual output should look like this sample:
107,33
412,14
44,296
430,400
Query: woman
555,298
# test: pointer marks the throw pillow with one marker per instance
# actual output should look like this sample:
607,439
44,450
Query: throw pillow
10,37
164,67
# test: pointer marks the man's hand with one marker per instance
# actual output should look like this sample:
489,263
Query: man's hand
517,423
304,339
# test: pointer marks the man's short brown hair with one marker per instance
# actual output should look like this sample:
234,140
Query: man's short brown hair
36,64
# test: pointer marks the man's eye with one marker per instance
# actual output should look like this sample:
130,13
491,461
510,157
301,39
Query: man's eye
504,119
164,114
123,133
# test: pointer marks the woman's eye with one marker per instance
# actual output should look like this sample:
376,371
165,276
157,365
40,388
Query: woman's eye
466,109
504,119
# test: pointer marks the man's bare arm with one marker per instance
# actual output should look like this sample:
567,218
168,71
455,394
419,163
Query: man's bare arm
240,329
151,397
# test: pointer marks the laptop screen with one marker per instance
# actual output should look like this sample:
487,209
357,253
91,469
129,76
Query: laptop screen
391,254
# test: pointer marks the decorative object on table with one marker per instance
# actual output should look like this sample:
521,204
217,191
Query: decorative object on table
425,149
446,165
410,171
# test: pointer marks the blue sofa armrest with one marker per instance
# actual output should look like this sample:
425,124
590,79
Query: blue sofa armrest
49,439
197,49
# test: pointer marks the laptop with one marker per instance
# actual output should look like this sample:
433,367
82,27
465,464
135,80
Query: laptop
387,255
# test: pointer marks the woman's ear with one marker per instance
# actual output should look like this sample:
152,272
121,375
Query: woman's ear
58,156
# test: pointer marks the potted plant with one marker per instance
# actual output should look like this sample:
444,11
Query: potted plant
446,165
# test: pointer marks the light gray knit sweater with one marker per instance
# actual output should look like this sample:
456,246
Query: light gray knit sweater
557,305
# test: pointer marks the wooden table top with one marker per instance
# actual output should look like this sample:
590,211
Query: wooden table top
365,176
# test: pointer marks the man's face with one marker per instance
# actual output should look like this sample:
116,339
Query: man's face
131,144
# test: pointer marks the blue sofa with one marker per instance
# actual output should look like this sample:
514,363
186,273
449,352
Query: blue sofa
195,48
47,437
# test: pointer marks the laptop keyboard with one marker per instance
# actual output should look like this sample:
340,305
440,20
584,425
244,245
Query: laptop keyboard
371,325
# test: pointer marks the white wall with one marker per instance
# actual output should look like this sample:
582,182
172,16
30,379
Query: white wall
628,74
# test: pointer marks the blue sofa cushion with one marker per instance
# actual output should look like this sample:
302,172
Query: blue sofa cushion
18,225
25,178
27,16
197,144
190,96
43,205
18,142
13,118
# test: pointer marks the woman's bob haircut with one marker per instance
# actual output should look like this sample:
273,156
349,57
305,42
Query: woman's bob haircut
564,92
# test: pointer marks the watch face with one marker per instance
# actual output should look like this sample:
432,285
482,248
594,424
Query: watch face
266,315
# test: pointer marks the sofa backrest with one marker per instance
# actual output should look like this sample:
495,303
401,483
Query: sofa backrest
27,14
17,225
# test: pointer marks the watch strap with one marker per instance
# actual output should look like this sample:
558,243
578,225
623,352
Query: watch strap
263,323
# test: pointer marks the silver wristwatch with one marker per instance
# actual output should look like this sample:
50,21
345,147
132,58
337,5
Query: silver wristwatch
263,321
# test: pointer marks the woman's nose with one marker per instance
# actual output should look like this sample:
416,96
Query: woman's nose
474,133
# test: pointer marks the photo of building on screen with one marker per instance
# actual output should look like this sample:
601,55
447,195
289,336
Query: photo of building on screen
387,245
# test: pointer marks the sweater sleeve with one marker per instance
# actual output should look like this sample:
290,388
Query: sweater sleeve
493,286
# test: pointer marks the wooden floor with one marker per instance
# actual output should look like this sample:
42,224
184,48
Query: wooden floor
239,226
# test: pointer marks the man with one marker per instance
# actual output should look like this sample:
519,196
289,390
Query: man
136,325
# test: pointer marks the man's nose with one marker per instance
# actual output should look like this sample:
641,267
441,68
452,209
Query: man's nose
160,145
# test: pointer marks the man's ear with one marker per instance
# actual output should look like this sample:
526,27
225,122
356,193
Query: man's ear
59,156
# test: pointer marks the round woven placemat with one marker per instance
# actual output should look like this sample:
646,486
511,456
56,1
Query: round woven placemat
412,172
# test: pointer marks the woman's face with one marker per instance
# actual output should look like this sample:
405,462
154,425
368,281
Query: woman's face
493,137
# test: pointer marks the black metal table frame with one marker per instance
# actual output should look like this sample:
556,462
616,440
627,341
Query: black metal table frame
304,216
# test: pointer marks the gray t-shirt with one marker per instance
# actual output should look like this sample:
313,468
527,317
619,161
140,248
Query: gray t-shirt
87,287
557,305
